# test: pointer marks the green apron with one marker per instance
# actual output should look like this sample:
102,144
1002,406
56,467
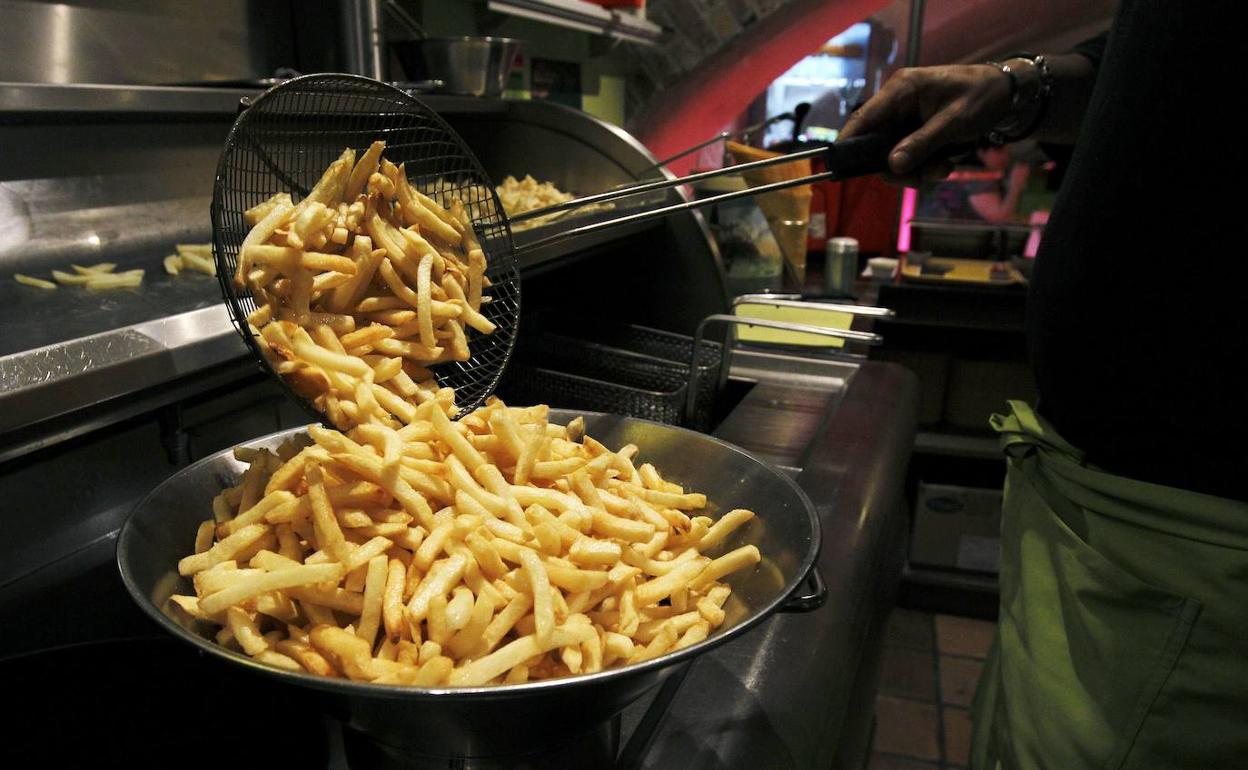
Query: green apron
1123,633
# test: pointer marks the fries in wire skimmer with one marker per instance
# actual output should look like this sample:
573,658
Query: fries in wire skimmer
497,549
360,287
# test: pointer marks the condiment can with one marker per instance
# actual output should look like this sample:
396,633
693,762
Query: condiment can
840,267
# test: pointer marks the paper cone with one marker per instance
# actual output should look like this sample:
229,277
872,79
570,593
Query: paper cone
787,211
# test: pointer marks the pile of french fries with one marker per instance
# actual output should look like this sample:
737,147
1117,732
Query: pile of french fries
360,287
521,195
496,549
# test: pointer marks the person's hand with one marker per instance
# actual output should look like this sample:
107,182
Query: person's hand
1018,175
952,106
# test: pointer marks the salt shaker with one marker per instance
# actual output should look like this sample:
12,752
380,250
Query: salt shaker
840,265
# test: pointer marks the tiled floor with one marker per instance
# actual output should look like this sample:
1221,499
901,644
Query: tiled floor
930,668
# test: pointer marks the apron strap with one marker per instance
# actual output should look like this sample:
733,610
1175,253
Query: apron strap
1023,431
1062,472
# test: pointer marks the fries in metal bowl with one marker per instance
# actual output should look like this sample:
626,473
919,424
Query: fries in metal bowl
498,549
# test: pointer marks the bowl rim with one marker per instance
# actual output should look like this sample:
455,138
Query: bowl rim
348,687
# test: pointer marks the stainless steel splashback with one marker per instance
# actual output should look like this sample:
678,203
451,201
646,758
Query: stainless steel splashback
103,185
105,174
143,41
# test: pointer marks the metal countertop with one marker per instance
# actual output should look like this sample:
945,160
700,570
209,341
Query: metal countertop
798,692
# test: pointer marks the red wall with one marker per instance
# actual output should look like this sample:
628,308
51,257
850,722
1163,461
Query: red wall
722,86
719,89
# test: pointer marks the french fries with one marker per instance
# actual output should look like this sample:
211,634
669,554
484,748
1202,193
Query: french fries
360,287
191,256
93,277
416,556
528,194
37,283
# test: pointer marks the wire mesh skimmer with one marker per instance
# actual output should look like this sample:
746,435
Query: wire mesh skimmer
286,137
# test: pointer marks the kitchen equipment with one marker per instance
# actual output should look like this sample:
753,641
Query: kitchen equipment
468,66
787,210
626,369
812,313
841,266
882,268
286,137
490,721
858,156
462,65
837,334
965,272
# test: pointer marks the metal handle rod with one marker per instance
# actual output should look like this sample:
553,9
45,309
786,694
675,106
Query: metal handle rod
659,213
773,301
662,184
691,390
722,135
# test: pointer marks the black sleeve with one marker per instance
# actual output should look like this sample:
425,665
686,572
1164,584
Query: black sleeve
1092,49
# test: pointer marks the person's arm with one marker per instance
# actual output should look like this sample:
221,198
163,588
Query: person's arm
959,104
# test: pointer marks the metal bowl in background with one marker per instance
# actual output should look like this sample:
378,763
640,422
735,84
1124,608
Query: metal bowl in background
469,66
505,720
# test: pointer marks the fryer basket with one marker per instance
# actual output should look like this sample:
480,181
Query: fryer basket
630,369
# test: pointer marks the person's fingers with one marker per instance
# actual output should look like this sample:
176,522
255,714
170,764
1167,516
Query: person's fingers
932,172
918,149
896,104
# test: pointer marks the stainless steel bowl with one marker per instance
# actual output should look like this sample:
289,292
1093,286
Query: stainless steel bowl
471,66
507,719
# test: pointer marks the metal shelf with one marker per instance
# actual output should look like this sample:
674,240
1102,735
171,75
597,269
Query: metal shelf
587,17
51,98
35,98
957,445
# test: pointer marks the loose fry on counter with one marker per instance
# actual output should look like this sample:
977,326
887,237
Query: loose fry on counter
38,283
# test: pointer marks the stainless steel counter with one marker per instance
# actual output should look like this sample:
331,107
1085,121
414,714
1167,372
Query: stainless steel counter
53,380
799,691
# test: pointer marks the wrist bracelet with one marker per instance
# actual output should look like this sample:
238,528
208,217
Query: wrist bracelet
1016,125
1009,73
